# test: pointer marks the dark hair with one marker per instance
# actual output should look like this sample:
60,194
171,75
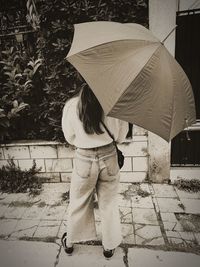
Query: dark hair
90,111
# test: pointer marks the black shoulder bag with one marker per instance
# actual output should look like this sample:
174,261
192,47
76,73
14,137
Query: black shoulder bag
120,155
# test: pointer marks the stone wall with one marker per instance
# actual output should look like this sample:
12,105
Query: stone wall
55,159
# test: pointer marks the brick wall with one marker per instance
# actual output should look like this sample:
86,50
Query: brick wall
55,159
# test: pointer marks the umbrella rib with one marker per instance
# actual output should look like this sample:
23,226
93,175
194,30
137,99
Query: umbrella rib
99,45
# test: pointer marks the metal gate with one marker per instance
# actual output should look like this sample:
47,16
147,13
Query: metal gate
185,147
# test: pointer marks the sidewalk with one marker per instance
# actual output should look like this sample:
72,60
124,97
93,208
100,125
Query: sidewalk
159,224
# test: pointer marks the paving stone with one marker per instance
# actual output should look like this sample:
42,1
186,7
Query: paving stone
50,198
87,256
168,217
148,235
27,254
14,212
124,187
25,197
145,187
25,228
173,226
155,203
58,187
184,194
47,229
170,205
125,215
34,212
182,238
140,257
191,205
7,226
52,193
54,213
189,222
188,237
123,202
142,202
144,216
164,190
8,198
128,233
174,237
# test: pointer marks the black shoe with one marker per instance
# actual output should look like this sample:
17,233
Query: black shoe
108,253
67,249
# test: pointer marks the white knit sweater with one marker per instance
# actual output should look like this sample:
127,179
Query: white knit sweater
75,134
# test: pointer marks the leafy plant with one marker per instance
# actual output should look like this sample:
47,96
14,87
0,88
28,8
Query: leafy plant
44,79
15,180
7,118
192,185
20,81
32,16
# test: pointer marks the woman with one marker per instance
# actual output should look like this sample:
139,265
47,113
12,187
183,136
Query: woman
95,168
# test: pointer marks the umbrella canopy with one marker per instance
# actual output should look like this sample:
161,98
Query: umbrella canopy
133,76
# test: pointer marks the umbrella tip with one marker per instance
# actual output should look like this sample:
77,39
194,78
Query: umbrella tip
168,35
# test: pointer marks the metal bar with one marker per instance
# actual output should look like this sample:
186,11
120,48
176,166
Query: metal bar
188,11
11,34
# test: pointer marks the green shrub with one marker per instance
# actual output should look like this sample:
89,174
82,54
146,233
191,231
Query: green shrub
21,93
192,185
14,180
55,80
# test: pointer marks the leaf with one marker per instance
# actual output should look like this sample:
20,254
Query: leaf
19,75
36,68
10,74
31,63
5,123
15,103
31,9
39,60
28,82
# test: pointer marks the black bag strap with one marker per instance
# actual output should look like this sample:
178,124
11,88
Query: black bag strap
111,135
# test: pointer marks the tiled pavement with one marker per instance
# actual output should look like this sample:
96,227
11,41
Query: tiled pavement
156,216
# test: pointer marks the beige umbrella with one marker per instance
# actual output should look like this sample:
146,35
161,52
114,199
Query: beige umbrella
133,76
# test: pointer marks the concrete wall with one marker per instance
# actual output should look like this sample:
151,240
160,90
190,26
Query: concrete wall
188,4
162,19
55,159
